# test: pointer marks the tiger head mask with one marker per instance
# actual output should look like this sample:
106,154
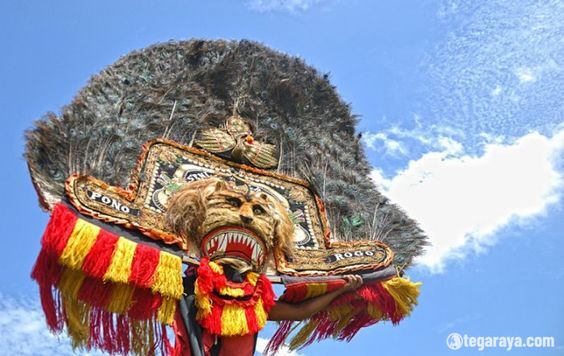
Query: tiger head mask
230,222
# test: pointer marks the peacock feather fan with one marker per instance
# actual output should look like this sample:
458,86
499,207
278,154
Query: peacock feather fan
175,89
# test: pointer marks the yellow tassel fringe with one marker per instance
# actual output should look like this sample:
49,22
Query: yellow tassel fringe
166,310
79,244
120,298
316,289
252,278
78,321
404,292
203,302
120,266
232,292
303,335
233,321
260,314
168,277
70,283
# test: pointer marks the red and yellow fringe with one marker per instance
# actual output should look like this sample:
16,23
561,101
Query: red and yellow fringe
219,313
391,300
109,292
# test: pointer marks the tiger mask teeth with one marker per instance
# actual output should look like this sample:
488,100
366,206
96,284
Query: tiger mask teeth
228,220
235,242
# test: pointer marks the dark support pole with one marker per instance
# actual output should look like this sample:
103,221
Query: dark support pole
188,312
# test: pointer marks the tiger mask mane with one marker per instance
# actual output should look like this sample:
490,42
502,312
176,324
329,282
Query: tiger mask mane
229,221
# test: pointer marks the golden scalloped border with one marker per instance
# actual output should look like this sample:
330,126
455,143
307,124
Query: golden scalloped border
132,191
282,265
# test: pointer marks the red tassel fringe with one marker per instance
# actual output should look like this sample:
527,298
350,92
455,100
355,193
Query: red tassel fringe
110,332
209,281
144,265
100,255
268,295
369,294
47,271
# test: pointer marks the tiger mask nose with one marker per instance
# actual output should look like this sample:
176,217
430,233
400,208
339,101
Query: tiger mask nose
246,219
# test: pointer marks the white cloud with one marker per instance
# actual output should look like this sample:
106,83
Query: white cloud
496,91
489,138
395,140
462,200
282,5
262,342
497,68
23,330
449,145
525,75
391,147
428,135
370,138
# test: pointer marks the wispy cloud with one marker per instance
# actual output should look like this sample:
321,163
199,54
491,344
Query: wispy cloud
497,69
379,140
282,5
461,200
525,75
23,330
497,90
458,322
262,342
397,141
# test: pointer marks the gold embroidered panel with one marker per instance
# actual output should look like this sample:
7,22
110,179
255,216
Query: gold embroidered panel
164,166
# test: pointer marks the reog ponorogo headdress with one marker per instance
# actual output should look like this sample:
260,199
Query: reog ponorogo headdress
201,152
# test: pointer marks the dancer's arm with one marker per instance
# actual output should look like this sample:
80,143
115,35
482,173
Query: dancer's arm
305,309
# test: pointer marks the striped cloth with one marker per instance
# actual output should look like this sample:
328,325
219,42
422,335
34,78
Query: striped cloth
383,296
108,291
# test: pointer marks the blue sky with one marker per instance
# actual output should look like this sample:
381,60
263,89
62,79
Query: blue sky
461,107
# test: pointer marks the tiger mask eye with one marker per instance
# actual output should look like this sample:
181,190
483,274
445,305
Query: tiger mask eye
258,210
234,202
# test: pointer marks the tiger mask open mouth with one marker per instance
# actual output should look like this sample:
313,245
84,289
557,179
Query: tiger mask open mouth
231,221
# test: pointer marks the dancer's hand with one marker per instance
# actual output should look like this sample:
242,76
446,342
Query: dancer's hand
353,282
